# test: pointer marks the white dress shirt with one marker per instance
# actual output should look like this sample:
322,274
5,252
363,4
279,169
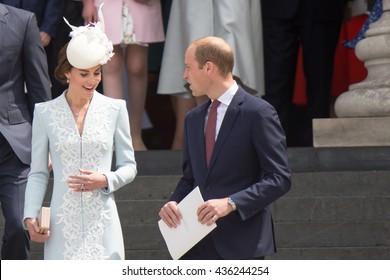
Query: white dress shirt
225,100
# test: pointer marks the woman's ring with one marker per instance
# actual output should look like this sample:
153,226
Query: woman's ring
82,187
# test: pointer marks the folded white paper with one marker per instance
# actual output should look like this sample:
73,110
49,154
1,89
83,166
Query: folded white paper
190,231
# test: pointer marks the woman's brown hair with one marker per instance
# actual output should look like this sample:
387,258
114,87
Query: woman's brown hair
63,66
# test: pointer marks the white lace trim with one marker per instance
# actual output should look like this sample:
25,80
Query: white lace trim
84,219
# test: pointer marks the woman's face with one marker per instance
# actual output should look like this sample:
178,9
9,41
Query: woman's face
83,82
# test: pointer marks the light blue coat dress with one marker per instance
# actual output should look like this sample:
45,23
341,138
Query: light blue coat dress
84,225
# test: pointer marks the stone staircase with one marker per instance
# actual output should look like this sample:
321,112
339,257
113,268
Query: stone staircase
335,215
338,207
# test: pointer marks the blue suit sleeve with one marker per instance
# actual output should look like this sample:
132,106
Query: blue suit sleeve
270,144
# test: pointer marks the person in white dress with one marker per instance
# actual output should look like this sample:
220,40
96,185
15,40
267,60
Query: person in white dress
238,22
80,130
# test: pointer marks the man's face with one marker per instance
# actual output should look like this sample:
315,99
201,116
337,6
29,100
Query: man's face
196,78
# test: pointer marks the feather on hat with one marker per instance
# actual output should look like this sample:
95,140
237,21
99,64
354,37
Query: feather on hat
89,45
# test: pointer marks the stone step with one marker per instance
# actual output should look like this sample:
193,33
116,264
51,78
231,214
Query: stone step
332,253
332,209
148,188
333,234
301,159
340,183
339,159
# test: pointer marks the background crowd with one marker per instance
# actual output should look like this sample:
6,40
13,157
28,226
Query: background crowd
285,54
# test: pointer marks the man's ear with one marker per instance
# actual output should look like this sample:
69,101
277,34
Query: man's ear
209,66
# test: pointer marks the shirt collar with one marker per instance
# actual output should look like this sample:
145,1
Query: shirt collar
227,97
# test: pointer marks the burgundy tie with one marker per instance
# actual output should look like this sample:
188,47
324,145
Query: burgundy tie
210,130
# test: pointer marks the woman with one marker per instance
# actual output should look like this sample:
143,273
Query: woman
80,130
131,25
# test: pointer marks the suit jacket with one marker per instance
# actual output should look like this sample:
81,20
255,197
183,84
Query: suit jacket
249,164
318,9
47,12
23,63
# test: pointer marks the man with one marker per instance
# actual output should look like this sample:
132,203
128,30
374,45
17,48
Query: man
316,26
47,12
24,64
49,16
248,167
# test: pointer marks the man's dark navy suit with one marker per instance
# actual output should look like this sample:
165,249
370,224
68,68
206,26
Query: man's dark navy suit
249,163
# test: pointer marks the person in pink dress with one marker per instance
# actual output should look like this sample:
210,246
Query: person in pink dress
130,25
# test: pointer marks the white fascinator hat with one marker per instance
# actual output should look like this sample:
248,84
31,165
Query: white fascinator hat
89,45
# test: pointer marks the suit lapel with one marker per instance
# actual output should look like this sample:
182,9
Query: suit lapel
199,126
227,124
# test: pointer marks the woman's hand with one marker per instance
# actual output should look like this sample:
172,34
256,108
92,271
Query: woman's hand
88,180
35,233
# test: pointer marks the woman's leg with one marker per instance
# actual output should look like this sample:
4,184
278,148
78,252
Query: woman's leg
112,75
137,82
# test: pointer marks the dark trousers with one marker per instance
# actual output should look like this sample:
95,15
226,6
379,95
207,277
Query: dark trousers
205,250
13,179
282,38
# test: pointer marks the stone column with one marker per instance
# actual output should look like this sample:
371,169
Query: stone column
363,112
371,97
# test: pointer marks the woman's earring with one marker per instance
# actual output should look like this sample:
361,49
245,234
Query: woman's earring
67,81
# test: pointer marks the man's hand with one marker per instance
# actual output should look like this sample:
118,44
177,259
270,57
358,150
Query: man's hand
210,211
170,214
45,38
89,13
